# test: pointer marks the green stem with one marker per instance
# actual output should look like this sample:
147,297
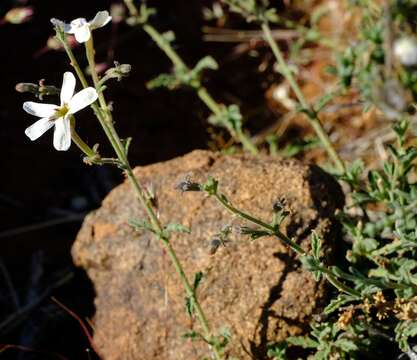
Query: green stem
202,92
298,249
246,142
131,7
216,109
274,231
165,46
104,116
89,152
73,61
332,279
311,114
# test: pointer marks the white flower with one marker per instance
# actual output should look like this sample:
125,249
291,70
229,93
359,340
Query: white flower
81,28
405,49
59,116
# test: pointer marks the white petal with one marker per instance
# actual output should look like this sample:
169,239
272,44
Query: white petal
101,19
68,87
38,128
39,109
82,99
62,134
82,34
75,25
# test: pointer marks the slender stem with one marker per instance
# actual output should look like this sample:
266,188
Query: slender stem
209,101
311,114
165,46
338,284
79,142
90,52
171,252
131,7
74,63
202,92
298,249
216,109
104,116
73,60
246,142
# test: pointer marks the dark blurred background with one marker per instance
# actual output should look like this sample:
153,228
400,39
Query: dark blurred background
45,194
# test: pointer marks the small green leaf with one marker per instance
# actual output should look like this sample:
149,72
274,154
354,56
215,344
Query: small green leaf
197,280
210,186
169,81
173,227
303,341
141,225
336,303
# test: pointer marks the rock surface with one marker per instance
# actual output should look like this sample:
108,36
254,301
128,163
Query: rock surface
255,288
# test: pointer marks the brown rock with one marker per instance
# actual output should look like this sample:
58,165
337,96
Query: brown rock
254,288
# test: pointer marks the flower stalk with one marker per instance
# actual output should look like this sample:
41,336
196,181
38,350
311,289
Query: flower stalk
87,150
274,230
105,118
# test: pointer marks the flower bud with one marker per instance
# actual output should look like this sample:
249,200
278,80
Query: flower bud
279,205
188,185
119,71
19,15
54,44
118,13
39,91
214,246
26,87
405,49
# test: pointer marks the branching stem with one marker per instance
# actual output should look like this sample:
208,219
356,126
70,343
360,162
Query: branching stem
105,118
331,278
310,112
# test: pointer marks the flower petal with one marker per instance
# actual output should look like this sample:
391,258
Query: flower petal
76,24
82,99
101,19
68,87
38,128
62,134
82,34
39,109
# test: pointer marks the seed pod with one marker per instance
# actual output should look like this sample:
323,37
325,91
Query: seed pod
214,246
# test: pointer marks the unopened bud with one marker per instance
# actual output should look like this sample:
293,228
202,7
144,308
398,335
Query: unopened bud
119,71
214,246
39,91
405,49
118,13
279,205
54,44
19,15
26,87
188,185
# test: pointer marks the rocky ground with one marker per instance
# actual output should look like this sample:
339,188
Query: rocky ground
255,288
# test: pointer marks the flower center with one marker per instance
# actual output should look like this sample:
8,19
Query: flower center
62,111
